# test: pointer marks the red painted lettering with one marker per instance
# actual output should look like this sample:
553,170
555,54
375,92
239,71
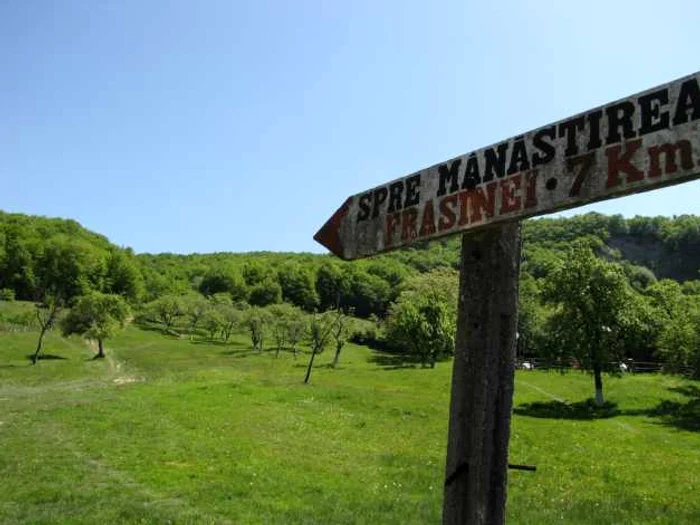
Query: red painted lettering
392,223
482,203
619,161
669,151
447,217
510,200
409,218
427,225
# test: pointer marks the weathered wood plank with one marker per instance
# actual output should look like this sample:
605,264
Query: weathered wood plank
645,141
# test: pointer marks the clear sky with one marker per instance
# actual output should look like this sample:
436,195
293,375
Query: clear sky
204,126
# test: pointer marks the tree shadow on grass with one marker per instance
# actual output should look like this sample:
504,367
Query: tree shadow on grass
46,357
677,414
388,361
159,329
582,410
681,415
240,352
212,342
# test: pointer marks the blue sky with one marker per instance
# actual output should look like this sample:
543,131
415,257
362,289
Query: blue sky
180,126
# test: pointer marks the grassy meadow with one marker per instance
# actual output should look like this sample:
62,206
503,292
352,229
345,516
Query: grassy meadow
173,430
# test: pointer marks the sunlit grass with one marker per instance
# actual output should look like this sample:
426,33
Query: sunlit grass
173,430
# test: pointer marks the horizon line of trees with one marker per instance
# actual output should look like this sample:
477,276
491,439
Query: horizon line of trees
580,299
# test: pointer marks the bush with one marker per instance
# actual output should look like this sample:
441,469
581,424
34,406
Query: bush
7,294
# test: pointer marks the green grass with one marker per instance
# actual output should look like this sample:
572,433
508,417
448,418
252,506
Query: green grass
173,431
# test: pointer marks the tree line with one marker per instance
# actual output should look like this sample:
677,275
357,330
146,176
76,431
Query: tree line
594,290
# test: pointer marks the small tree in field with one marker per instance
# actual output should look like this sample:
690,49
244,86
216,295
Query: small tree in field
597,311
320,326
423,325
230,320
97,316
167,310
196,307
279,321
212,322
257,320
46,315
341,331
296,329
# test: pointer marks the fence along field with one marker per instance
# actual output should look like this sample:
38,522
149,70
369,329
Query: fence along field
521,178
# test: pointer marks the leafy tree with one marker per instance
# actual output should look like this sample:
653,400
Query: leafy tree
640,277
281,316
17,265
297,284
332,285
124,276
257,320
319,334
46,313
212,321
369,294
678,326
97,316
266,292
296,329
341,330
424,325
532,318
224,279
196,307
596,311
66,269
167,310
256,272
231,319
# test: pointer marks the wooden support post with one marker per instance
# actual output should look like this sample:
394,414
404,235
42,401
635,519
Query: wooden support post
482,378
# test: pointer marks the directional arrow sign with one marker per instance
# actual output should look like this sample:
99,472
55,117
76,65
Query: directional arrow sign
636,144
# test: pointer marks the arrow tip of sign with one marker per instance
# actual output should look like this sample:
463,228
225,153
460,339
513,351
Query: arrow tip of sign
329,234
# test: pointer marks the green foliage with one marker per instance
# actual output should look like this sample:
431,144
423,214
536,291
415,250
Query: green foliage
96,316
166,310
124,276
282,318
7,294
342,329
177,431
57,260
598,313
678,326
230,320
267,291
422,323
212,321
257,321
298,286
224,279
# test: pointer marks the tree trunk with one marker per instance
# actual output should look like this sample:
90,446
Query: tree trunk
482,378
45,325
39,344
311,363
336,358
598,378
100,349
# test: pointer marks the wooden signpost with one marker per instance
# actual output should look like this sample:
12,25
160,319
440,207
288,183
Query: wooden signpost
639,143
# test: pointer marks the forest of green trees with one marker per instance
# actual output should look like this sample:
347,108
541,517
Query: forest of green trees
594,290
